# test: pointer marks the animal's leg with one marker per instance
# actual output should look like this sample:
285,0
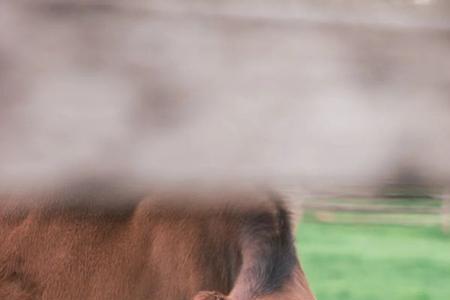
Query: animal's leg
210,296
270,269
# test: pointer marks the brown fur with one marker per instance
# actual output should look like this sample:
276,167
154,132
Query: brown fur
166,246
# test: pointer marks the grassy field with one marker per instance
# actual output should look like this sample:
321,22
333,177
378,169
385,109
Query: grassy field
375,262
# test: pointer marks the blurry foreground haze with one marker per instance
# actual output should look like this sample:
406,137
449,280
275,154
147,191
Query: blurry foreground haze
326,94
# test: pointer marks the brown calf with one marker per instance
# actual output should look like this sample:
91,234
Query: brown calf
93,243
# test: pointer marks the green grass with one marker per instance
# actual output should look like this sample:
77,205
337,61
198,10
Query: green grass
375,262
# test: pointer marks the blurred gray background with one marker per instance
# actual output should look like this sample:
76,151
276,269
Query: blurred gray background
323,95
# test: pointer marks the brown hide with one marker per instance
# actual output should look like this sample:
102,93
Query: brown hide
165,246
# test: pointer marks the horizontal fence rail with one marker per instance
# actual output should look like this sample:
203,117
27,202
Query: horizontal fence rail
423,212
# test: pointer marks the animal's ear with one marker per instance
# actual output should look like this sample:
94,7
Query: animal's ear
210,296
